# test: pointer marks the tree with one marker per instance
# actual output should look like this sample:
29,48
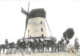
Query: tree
68,34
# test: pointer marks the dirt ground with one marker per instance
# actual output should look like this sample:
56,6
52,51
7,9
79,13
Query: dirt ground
45,54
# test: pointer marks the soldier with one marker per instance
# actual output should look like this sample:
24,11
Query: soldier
76,44
71,49
61,45
65,46
58,46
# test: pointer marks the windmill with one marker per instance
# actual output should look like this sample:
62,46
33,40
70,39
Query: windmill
36,23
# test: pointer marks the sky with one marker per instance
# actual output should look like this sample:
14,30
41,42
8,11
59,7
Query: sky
60,15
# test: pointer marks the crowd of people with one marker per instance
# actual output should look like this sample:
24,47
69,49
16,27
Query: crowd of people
36,45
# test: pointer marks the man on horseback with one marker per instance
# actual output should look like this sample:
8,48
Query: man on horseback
40,46
62,45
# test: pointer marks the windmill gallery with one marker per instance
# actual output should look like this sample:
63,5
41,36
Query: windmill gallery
37,40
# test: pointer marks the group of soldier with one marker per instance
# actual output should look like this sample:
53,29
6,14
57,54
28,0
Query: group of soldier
36,45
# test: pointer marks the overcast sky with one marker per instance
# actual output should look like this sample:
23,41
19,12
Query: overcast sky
60,16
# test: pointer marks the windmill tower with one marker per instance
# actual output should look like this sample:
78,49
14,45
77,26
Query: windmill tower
35,23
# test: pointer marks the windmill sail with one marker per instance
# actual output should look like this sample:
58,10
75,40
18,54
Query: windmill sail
27,17
24,12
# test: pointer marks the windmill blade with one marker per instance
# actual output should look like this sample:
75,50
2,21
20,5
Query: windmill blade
27,14
24,12
28,6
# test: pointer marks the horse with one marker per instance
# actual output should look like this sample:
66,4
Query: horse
58,46
31,46
62,48
3,47
47,44
40,46
11,48
53,46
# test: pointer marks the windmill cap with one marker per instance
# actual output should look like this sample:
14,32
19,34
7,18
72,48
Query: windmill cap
40,12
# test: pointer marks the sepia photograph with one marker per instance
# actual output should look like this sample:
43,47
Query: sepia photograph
39,28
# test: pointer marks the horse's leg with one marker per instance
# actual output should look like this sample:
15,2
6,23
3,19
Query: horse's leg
3,50
11,50
51,48
0,50
29,50
38,49
33,50
77,48
6,51
26,50
55,49
58,48
21,51
48,49
63,48
42,49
